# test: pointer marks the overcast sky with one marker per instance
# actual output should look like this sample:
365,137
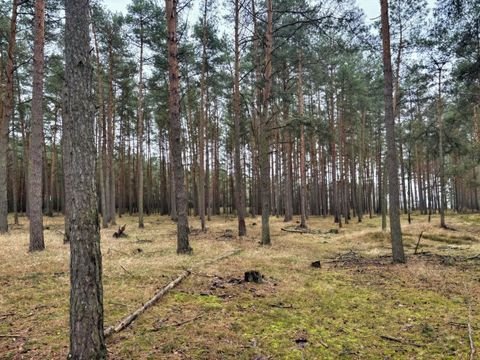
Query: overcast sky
371,7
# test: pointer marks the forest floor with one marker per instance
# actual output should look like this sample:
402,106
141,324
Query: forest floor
358,305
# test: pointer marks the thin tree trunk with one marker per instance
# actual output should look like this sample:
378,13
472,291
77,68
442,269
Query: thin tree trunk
7,108
393,193
100,131
202,125
111,134
303,180
264,138
183,246
36,136
53,167
15,177
140,135
239,188
442,197
86,295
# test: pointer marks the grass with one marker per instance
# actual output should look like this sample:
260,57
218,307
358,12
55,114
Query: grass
357,306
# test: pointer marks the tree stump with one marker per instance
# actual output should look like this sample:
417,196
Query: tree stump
120,232
253,276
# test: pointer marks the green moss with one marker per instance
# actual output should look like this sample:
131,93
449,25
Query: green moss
351,319
206,301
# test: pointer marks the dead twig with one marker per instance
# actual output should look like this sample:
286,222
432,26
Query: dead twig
325,345
418,242
282,306
3,316
470,333
401,341
180,323
12,336
128,272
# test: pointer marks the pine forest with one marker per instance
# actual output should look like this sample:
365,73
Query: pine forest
240,179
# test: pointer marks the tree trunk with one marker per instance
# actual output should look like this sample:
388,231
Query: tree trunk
100,133
393,193
140,135
53,168
303,180
15,177
7,108
86,295
36,135
202,125
264,135
239,188
183,246
442,199
111,135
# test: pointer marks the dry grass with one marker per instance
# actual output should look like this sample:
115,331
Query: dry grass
342,309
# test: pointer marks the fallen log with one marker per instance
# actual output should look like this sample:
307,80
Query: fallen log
130,318
127,320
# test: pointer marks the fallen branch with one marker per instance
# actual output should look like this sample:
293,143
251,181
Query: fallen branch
4,316
300,231
475,257
282,306
128,272
127,320
130,318
324,344
180,323
418,242
401,341
13,336
470,333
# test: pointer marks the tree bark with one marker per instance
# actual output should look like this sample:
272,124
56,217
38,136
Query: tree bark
183,246
100,133
393,193
7,108
303,180
443,200
202,126
111,207
140,134
86,294
53,198
239,188
15,178
264,133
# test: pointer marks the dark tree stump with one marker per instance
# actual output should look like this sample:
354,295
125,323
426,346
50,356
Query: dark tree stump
253,276
120,232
